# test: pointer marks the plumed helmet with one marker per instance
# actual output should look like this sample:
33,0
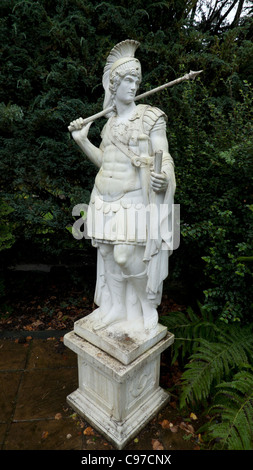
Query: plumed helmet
120,60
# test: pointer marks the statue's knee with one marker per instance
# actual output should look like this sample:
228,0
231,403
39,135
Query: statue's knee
122,255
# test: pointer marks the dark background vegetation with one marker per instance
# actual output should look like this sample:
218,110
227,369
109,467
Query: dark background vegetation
52,58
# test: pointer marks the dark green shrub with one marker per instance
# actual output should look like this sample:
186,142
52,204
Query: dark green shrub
52,59
217,375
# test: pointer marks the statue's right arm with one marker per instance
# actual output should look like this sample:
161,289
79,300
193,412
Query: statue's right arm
80,135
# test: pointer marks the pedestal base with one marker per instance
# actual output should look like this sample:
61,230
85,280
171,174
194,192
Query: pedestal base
117,399
118,432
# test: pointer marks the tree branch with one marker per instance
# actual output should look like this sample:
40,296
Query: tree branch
193,11
225,15
238,13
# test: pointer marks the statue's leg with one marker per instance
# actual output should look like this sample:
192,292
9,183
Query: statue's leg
116,285
149,312
130,259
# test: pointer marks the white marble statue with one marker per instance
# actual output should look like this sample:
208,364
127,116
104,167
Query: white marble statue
131,265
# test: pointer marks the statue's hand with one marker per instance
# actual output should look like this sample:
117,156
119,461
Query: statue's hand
79,130
159,182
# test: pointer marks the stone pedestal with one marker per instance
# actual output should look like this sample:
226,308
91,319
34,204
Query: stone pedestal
117,395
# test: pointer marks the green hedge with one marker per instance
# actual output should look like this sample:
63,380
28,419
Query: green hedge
52,58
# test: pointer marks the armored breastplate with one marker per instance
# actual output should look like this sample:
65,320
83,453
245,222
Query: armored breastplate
141,122
127,133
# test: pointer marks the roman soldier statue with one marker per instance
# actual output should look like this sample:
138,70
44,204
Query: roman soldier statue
132,262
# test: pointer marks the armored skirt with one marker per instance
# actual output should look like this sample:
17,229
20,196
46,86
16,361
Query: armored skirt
124,220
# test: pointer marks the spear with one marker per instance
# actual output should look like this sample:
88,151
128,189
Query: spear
188,76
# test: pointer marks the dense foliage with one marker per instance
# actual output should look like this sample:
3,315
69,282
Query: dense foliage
217,376
53,55
52,58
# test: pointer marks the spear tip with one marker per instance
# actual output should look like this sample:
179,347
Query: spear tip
193,74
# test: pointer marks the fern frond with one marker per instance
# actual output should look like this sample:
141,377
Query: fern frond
234,402
212,363
188,327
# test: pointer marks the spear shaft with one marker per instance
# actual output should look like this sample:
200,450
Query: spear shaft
188,76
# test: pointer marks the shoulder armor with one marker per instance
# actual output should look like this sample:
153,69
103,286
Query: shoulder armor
151,116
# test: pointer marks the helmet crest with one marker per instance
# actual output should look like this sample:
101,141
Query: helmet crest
120,57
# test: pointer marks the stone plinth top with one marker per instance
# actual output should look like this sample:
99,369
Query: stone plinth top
122,340
108,364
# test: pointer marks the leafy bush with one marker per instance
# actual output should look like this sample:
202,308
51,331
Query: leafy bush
214,188
6,236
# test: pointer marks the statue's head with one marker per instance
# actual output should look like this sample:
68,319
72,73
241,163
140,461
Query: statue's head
125,67
120,62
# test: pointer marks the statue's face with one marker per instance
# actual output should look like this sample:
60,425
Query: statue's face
127,88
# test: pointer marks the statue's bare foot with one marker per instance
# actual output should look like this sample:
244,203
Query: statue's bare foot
150,318
115,315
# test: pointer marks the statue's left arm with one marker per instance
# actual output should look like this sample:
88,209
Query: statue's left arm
160,182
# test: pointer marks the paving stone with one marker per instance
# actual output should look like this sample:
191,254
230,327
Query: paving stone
50,353
12,355
61,434
43,392
9,383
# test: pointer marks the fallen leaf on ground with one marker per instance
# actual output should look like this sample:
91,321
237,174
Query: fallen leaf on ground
37,323
68,436
193,416
190,428
186,427
168,425
58,416
157,445
44,434
28,328
88,431
165,424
